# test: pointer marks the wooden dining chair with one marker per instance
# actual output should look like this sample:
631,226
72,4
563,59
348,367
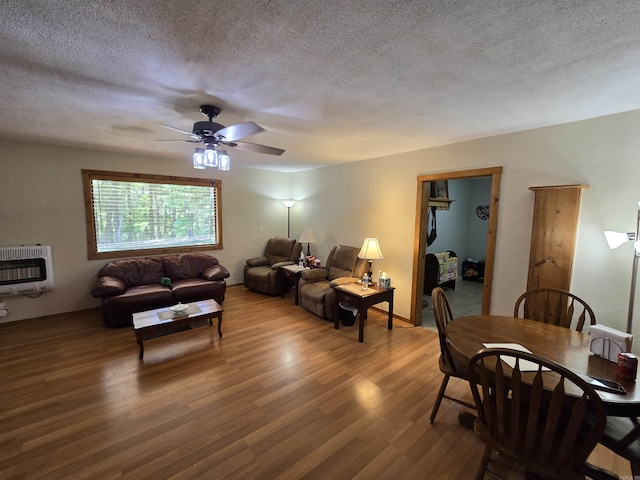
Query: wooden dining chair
543,416
622,436
451,364
554,306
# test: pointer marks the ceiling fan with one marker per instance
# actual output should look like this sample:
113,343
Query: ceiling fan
213,134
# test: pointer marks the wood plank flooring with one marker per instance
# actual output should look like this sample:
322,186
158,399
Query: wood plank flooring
281,396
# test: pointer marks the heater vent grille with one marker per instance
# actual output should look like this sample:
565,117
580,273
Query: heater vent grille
24,253
25,270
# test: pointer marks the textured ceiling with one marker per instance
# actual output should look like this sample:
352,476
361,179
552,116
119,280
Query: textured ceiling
331,82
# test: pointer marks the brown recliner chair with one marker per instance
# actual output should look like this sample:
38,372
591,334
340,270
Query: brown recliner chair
262,274
316,285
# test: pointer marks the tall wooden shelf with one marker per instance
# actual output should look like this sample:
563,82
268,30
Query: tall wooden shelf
553,235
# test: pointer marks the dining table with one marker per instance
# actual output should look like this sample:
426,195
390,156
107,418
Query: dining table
564,346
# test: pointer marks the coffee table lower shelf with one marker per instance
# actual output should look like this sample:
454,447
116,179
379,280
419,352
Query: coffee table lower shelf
163,321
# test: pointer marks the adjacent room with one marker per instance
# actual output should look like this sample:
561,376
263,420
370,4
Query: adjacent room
457,154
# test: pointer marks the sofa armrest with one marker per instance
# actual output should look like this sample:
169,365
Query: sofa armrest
257,261
107,287
277,265
315,274
215,272
343,281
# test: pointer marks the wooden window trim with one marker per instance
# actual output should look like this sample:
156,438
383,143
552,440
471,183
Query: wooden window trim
89,175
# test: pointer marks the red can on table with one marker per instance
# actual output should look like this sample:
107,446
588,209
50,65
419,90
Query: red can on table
627,367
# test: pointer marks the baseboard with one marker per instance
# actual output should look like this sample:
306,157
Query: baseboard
394,316
56,316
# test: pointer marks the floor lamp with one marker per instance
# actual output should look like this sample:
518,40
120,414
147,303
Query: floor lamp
615,239
288,204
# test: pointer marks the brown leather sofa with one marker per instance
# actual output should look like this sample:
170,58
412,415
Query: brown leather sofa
316,285
262,274
138,284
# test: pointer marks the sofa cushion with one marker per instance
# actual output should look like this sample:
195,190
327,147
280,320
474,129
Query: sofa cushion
135,271
344,281
193,289
258,274
187,265
215,272
314,274
137,299
257,261
108,287
343,262
279,250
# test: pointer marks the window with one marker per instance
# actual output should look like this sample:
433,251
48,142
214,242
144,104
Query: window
134,214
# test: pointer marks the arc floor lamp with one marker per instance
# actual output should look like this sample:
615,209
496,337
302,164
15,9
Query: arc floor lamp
615,239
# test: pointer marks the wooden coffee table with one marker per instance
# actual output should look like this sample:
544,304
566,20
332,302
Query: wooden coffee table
163,321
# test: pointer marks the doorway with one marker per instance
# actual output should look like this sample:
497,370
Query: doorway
420,246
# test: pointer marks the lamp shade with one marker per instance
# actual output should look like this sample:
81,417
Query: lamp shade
210,156
288,203
198,159
615,239
224,163
308,236
370,249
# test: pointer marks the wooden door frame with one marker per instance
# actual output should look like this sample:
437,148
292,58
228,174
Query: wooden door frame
421,225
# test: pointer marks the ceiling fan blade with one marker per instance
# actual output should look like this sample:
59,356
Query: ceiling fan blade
188,141
238,131
191,134
254,147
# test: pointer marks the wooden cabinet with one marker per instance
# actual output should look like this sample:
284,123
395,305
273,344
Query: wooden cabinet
553,236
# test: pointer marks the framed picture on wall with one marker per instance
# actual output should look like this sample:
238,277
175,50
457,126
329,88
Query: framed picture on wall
439,189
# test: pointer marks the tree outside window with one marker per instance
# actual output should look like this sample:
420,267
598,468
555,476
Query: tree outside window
136,214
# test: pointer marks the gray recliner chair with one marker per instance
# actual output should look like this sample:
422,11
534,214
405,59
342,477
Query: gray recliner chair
262,274
316,285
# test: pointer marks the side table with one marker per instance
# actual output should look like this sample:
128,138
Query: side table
354,295
289,277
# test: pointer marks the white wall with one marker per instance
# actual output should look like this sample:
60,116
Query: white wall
452,226
602,153
41,202
480,194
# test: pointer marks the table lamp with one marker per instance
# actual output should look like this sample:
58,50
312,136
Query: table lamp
309,237
371,251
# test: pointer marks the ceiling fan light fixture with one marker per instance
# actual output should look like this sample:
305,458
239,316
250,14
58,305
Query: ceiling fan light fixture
210,156
213,134
198,159
224,163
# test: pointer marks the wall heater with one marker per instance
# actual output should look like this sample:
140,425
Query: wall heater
25,269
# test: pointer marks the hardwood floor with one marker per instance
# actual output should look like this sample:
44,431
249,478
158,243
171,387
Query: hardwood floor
281,395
